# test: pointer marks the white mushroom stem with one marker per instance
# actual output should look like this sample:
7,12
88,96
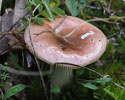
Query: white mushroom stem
61,76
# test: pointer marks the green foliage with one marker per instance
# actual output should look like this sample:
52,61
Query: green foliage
55,90
94,87
38,20
122,48
55,3
115,18
14,90
116,93
72,4
103,2
36,90
82,4
44,8
3,74
79,71
90,86
57,11
24,20
75,6
46,4
100,80
14,60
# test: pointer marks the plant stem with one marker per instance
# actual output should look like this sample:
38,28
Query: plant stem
37,63
24,73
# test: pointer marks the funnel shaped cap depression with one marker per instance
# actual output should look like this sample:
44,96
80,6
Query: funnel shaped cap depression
83,47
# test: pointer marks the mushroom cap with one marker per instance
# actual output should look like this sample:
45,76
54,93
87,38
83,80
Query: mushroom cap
84,46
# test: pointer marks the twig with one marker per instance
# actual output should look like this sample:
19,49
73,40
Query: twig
24,73
9,31
37,63
113,14
113,35
62,21
109,5
91,71
67,7
36,8
117,26
93,7
54,31
118,85
3,97
8,48
2,36
97,8
18,21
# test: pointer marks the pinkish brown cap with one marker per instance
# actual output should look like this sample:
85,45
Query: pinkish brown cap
84,46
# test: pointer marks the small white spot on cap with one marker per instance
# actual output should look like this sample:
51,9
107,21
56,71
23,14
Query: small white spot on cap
87,34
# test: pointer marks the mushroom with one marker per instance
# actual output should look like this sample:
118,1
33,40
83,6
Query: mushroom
67,39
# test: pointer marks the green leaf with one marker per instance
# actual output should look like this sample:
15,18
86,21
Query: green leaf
25,1
90,86
15,61
40,8
38,20
72,4
37,2
82,4
46,15
55,90
28,6
4,76
102,80
6,63
57,11
115,92
79,71
14,89
112,94
46,3
32,2
24,20
122,41
4,68
54,3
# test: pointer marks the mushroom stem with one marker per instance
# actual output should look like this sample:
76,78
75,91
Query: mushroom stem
61,76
